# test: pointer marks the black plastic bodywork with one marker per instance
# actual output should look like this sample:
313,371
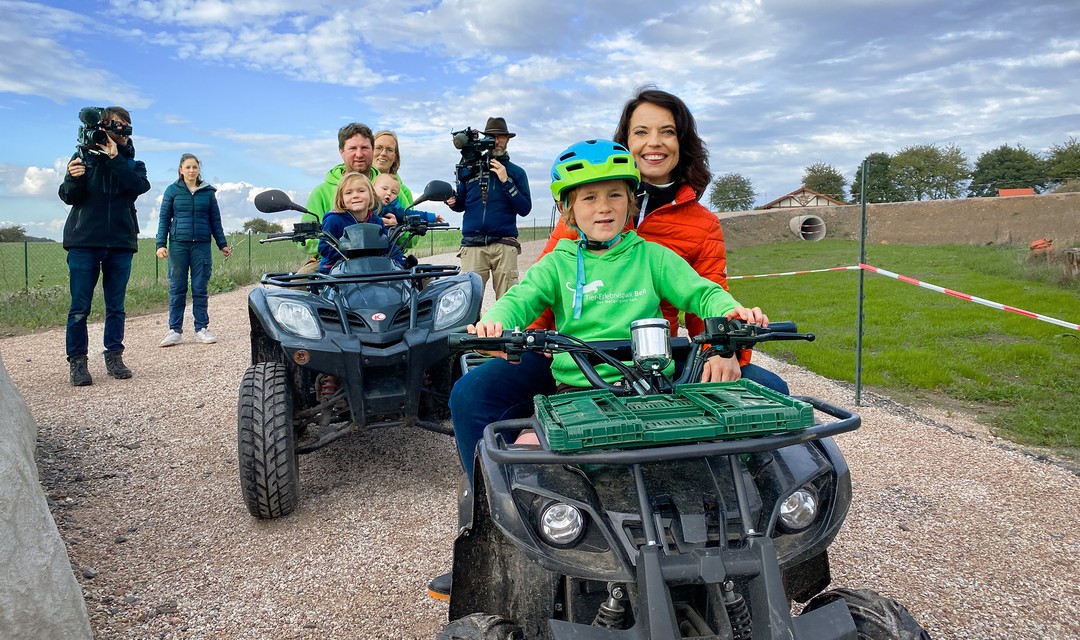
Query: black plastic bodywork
377,340
672,524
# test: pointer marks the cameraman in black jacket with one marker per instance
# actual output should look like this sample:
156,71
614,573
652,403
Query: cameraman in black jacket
102,183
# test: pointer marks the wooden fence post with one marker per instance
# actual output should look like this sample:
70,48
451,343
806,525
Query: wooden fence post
1072,263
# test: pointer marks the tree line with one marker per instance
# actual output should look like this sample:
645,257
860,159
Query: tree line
925,172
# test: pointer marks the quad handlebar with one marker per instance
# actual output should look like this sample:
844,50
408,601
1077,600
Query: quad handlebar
721,337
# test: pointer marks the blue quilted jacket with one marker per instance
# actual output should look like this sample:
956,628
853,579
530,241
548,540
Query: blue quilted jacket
190,217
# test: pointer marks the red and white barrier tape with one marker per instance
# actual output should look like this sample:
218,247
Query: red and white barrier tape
970,298
925,285
794,273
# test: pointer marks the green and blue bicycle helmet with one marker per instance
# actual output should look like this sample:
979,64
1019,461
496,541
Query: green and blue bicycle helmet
592,161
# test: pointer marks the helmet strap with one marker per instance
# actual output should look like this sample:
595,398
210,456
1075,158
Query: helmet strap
584,244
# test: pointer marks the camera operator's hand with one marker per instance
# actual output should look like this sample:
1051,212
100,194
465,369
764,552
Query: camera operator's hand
76,168
499,170
109,147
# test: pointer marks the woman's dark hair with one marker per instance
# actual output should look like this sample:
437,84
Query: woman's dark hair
184,158
693,167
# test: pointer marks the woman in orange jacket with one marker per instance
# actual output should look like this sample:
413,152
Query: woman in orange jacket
661,134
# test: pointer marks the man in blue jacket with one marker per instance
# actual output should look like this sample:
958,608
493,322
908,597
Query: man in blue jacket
489,244
101,236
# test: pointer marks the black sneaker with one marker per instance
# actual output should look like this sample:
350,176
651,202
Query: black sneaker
80,374
439,587
114,365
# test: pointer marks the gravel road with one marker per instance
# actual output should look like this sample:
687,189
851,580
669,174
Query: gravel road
979,540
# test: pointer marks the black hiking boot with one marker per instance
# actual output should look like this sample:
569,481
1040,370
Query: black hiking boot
439,587
80,375
114,365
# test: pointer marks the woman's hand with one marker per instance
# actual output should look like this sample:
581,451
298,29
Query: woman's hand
76,168
721,369
226,251
109,147
389,220
163,252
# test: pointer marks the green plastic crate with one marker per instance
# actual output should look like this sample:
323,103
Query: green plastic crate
598,419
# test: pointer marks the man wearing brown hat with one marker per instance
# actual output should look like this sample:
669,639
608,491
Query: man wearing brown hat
489,244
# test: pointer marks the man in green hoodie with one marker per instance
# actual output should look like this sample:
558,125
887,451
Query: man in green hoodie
356,145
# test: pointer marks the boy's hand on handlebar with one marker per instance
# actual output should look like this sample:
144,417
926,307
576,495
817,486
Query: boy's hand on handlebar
488,329
752,316
721,369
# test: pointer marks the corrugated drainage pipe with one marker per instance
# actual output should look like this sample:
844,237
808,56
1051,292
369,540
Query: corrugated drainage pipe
810,228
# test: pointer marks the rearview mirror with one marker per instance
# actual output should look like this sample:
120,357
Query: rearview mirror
435,191
276,200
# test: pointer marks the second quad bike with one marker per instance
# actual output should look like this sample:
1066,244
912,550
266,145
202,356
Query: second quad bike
361,347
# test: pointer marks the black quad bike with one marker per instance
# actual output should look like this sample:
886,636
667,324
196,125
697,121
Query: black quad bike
660,509
363,346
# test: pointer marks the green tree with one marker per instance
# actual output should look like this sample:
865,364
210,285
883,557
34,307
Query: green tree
879,182
825,179
1063,162
1007,168
13,233
930,172
732,192
258,225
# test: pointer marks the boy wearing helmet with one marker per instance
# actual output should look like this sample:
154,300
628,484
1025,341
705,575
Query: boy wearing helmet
598,285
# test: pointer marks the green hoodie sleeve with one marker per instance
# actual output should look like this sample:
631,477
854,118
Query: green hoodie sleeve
319,202
680,285
525,301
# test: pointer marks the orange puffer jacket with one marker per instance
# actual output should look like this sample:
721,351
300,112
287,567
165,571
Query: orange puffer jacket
687,228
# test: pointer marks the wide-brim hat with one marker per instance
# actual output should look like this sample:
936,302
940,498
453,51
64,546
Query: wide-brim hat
497,127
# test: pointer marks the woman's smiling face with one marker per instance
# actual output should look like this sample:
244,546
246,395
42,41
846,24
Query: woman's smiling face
654,143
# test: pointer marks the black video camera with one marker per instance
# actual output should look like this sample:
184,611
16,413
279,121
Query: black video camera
94,132
476,148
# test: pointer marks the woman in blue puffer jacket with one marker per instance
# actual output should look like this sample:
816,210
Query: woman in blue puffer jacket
189,219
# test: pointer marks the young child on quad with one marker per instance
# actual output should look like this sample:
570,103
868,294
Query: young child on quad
354,202
598,285
387,188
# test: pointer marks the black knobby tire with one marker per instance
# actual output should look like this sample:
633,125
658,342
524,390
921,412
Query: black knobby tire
481,626
269,473
876,617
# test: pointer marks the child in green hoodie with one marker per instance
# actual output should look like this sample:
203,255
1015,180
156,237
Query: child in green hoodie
600,284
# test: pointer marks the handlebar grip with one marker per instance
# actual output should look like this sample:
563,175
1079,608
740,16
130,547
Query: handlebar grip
783,327
465,341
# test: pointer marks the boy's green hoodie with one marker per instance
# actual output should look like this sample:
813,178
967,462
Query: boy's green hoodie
624,284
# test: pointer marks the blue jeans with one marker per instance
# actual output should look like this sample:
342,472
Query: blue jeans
84,266
185,258
501,390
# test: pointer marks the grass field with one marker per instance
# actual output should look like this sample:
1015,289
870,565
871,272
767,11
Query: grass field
1019,374
34,276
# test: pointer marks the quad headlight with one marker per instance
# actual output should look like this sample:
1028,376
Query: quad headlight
799,510
561,524
452,306
295,318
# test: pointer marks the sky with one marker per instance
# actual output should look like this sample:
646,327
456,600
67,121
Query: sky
258,88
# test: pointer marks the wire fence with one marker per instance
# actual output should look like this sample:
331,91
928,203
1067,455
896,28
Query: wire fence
25,266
